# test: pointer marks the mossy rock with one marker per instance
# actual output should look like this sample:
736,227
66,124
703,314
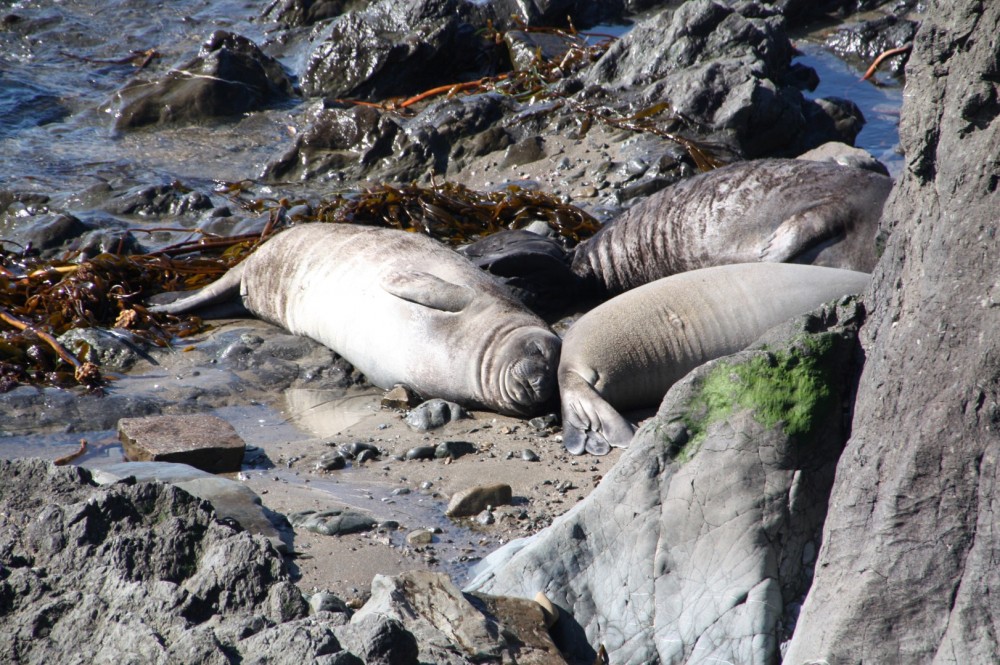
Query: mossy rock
794,388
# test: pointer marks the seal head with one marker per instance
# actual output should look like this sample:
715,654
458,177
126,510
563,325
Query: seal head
523,376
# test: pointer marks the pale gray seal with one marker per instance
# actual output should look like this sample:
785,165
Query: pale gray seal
625,353
402,308
780,210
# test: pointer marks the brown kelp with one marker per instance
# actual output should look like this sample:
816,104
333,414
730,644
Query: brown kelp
41,299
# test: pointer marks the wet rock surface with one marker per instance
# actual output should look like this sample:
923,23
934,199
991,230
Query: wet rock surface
229,76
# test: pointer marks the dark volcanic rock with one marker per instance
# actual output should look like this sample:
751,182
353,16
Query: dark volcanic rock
131,572
868,39
229,76
392,48
724,68
907,572
698,545
306,12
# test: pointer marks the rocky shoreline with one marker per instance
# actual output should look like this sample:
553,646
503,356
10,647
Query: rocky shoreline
715,535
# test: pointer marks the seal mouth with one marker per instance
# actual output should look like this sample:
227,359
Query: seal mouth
530,379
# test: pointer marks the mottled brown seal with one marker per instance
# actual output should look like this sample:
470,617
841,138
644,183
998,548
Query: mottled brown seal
400,307
778,210
625,353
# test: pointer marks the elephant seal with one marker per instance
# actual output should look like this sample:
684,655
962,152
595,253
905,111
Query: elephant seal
402,308
779,210
625,353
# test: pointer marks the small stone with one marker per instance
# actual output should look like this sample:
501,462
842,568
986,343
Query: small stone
324,601
335,522
434,413
331,462
475,499
454,449
400,491
544,422
420,537
353,449
485,517
400,397
366,455
426,485
421,452
529,455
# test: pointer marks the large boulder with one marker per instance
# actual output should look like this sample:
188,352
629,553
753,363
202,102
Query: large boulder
133,572
230,75
391,48
726,69
698,546
907,572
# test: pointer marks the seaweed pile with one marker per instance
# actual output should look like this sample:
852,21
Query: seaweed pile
40,300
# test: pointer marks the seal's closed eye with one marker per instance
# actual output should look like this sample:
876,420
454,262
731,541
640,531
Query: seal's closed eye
428,290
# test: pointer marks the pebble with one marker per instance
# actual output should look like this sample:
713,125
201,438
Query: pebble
529,455
331,462
486,517
324,601
420,537
400,397
475,499
433,414
354,449
421,452
454,449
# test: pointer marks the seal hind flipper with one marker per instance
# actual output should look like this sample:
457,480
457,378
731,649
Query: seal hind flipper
590,423
804,232
428,290
219,292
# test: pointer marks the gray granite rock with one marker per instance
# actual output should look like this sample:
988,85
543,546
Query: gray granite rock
694,546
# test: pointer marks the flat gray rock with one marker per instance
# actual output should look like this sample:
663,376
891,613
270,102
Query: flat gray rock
203,441
230,498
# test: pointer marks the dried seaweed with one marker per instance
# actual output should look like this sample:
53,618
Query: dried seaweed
455,214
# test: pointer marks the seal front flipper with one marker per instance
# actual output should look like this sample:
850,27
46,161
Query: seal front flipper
428,290
589,423
222,295
805,232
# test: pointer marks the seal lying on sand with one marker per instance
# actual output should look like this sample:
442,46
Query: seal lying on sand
401,308
779,210
625,353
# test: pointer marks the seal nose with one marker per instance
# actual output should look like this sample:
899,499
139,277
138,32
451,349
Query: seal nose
535,373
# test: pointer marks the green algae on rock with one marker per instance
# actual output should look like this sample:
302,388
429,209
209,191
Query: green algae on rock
787,387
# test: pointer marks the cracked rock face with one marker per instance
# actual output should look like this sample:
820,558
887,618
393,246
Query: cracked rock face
699,545
907,572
